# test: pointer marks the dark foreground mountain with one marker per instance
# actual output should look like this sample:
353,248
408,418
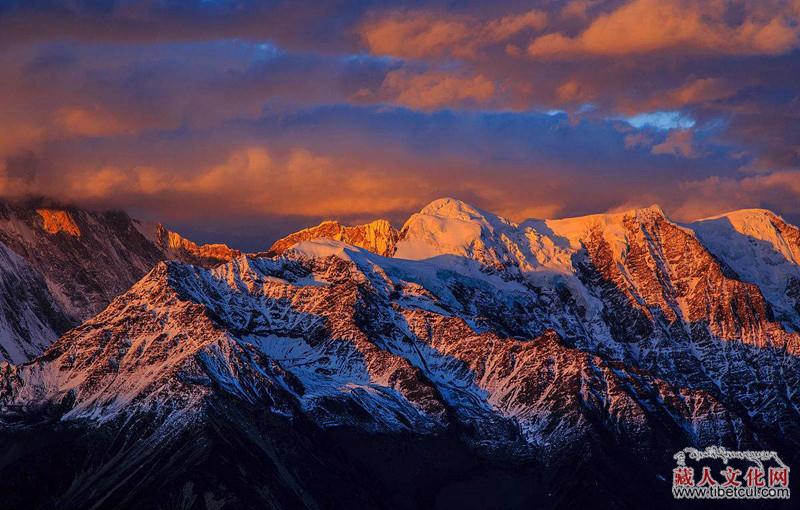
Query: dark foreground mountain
554,364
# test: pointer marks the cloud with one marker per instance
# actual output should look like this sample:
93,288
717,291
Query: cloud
310,25
661,120
372,162
87,122
679,142
688,26
696,91
714,195
53,92
252,180
431,90
638,139
421,34
263,113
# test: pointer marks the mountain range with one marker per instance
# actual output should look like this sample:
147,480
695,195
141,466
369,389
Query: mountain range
462,361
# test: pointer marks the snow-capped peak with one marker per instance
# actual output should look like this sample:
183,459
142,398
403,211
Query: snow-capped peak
758,224
454,209
651,211
451,227
629,332
751,213
762,249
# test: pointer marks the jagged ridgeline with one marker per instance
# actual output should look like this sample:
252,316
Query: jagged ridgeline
63,265
464,361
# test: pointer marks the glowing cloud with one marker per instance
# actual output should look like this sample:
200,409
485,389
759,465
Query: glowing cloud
645,26
431,90
419,34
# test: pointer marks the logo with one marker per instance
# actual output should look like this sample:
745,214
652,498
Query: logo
718,473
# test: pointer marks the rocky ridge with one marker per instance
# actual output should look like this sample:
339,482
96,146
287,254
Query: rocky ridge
610,340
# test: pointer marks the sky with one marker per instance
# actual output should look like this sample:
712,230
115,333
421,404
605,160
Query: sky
241,121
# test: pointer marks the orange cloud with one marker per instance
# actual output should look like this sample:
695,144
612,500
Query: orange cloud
88,122
715,195
303,183
431,90
678,143
699,91
578,8
251,168
416,36
571,91
420,34
22,136
644,26
250,181
508,26
98,184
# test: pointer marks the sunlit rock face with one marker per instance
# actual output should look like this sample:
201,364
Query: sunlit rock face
85,258
378,237
177,247
55,221
65,265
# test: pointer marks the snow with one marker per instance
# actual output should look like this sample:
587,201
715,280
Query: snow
754,243
321,248
24,329
449,227
323,371
611,225
448,233
241,328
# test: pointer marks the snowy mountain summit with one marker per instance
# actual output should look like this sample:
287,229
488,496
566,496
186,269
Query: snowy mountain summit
355,366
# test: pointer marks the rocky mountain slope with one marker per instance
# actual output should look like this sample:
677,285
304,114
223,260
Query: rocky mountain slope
80,261
487,364
378,237
762,249
176,247
30,317
86,258
587,346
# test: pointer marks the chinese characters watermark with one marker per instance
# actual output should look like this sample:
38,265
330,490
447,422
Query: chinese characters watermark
763,475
